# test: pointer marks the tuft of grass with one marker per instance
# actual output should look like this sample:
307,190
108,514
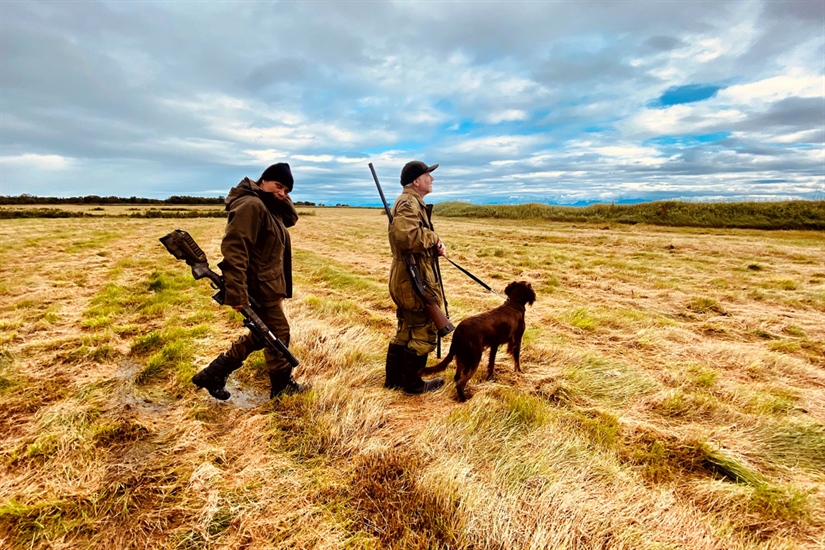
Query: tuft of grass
35,524
118,431
703,377
97,348
680,403
795,331
157,339
582,319
663,458
174,357
606,381
772,401
388,500
703,304
797,444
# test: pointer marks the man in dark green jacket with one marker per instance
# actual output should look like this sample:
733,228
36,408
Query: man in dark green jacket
257,262
411,232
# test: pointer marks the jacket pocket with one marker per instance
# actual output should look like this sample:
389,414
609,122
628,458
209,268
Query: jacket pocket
272,285
271,273
404,296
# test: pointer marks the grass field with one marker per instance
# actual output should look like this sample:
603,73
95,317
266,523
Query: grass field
673,394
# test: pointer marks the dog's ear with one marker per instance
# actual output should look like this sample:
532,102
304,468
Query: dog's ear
532,294
509,289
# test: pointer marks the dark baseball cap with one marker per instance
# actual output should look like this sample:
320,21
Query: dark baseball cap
412,170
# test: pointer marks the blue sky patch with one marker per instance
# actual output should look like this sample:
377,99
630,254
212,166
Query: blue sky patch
689,93
688,140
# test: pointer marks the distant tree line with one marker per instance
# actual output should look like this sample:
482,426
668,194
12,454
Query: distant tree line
95,199
744,215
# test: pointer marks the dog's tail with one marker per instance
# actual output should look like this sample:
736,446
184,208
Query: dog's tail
439,367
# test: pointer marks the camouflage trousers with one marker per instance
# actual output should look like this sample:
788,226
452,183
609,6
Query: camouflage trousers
415,331
273,316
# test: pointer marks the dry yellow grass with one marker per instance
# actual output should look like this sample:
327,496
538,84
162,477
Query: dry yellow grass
673,394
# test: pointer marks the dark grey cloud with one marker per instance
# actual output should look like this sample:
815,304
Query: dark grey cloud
792,114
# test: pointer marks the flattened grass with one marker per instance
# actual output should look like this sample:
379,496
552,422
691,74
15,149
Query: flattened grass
671,396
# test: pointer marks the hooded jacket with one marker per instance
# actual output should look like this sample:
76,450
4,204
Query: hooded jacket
412,232
256,248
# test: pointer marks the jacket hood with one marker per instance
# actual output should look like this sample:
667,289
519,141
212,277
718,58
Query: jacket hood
245,187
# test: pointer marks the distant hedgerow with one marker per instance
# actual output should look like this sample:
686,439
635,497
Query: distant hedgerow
743,215
41,213
179,214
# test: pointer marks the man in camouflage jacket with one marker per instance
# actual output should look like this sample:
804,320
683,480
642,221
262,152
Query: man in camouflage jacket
412,232
257,262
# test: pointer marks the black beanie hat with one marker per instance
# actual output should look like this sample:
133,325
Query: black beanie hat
279,172
412,170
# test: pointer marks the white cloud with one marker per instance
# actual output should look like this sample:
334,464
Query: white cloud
508,115
314,158
34,161
794,84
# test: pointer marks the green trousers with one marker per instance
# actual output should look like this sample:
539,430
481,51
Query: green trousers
416,331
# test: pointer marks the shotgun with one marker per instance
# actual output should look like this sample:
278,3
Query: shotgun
182,246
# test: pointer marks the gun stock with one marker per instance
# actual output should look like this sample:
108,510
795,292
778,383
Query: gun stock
182,246
442,322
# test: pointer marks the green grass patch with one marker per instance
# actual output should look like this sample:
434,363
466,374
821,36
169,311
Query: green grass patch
680,403
118,431
600,428
771,401
795,443
582,319
314,268
95,347
157,339
324,307
704,377
93,240
173,357
704,305
606,381
162,293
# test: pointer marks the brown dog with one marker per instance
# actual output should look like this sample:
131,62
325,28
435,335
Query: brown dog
502,325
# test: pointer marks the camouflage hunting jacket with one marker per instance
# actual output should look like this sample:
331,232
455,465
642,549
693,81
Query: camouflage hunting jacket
256,248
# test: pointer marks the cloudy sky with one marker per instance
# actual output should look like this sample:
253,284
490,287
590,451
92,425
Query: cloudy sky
553,101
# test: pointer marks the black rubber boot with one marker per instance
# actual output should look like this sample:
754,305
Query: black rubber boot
281,383
413,383
214,376
395,367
